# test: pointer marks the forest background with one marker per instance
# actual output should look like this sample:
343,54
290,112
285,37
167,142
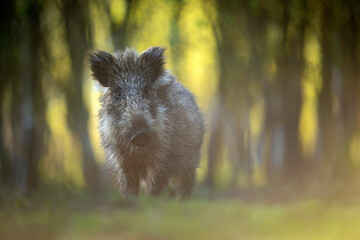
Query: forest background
277,80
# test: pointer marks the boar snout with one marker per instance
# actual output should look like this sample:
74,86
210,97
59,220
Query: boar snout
140,134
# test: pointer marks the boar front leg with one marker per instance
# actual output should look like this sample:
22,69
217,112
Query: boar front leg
157,183
128,183
187,180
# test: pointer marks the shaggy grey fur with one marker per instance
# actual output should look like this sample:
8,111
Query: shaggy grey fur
140,95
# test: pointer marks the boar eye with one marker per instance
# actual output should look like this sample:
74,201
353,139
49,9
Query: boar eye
145,91
119,95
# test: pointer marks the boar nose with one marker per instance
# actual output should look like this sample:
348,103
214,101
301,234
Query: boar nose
141,138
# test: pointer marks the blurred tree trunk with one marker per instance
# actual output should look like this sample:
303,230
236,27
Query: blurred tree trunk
290,70
273,132
256,27
176,41
215,143
232,99
349,105
5,161
29,120
120,31
326,150
8,67
226,62
78,39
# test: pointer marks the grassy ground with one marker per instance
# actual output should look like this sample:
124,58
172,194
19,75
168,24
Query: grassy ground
162,218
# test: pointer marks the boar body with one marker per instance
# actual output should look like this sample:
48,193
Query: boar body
150,126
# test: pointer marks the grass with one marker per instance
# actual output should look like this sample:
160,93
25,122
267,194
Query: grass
161,218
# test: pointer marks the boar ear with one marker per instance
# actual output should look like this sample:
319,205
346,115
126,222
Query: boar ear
154,61
102,66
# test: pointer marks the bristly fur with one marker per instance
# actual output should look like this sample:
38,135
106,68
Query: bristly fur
154,59
141,94
102,64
